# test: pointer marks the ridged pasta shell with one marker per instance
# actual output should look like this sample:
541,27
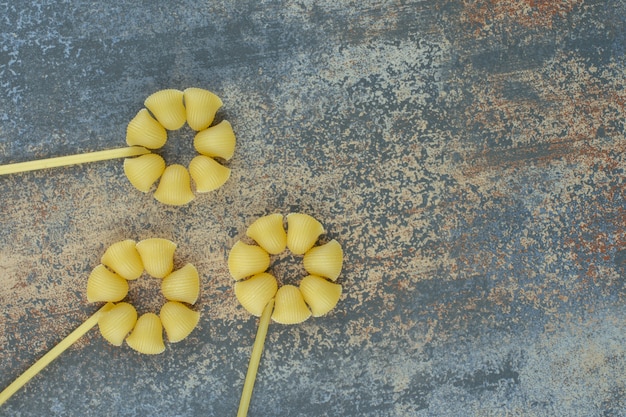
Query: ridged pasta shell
246,260
254,293
144,170
269,233
289,307
157,255
302,232
167,107
320,294
201,106
147,336
216,141
325,260
178,320
123,258
117,323
175,186
182,285
143,130
207,173
104,285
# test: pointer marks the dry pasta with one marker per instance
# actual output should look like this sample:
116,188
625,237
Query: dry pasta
182,285
168,108
144,170
201,106
216,141
207,174
178,320
302,232
246,260
289,307
104,285
320,295
143,130
147,336
254,293
123,258
325,260
175,186
116,323
157,256
269,233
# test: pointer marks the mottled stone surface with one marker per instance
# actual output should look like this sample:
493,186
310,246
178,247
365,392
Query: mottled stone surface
468,155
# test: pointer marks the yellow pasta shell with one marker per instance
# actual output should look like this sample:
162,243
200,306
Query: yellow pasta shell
123,258
116,323
289,307
182,285
302,232
175,186
320,294
178,320
167,107
207,173
201,106
216,141
254,293
147,337
143,130
325,260
246,260
144,170
269,233
104,285
157,255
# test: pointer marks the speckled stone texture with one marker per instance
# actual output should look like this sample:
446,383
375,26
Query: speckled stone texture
467,154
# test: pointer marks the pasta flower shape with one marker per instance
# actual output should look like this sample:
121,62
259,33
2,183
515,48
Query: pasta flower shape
126,261
169,110
317,293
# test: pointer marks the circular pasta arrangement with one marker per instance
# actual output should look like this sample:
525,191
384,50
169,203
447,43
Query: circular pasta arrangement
126,261
317,293
169,110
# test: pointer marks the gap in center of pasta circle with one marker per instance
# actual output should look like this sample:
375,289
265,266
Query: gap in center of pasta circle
179,146
287,268
144,293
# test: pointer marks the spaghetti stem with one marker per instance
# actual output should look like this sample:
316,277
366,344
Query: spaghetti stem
255,359
46,359
72,159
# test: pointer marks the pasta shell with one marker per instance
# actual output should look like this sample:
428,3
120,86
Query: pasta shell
182,285
104,285
167,107
256,292
246,260
302,232
201,107
216,141
321,295
325,260
143,130
157,255
175,186
147,337
178,320
123,258
207,173
117,323
144,170
269,233
289,307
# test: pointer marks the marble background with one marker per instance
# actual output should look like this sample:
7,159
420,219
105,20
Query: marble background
467,154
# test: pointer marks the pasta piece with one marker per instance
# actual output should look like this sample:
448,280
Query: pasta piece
320,294
116,323
178,320
157,255
123,258
147,337
302,232
207,173
167,107
143,130
325,260
216,141
175,186
269,233
104,285
290,307
144,170
254,293
201,106
246,260
182,285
